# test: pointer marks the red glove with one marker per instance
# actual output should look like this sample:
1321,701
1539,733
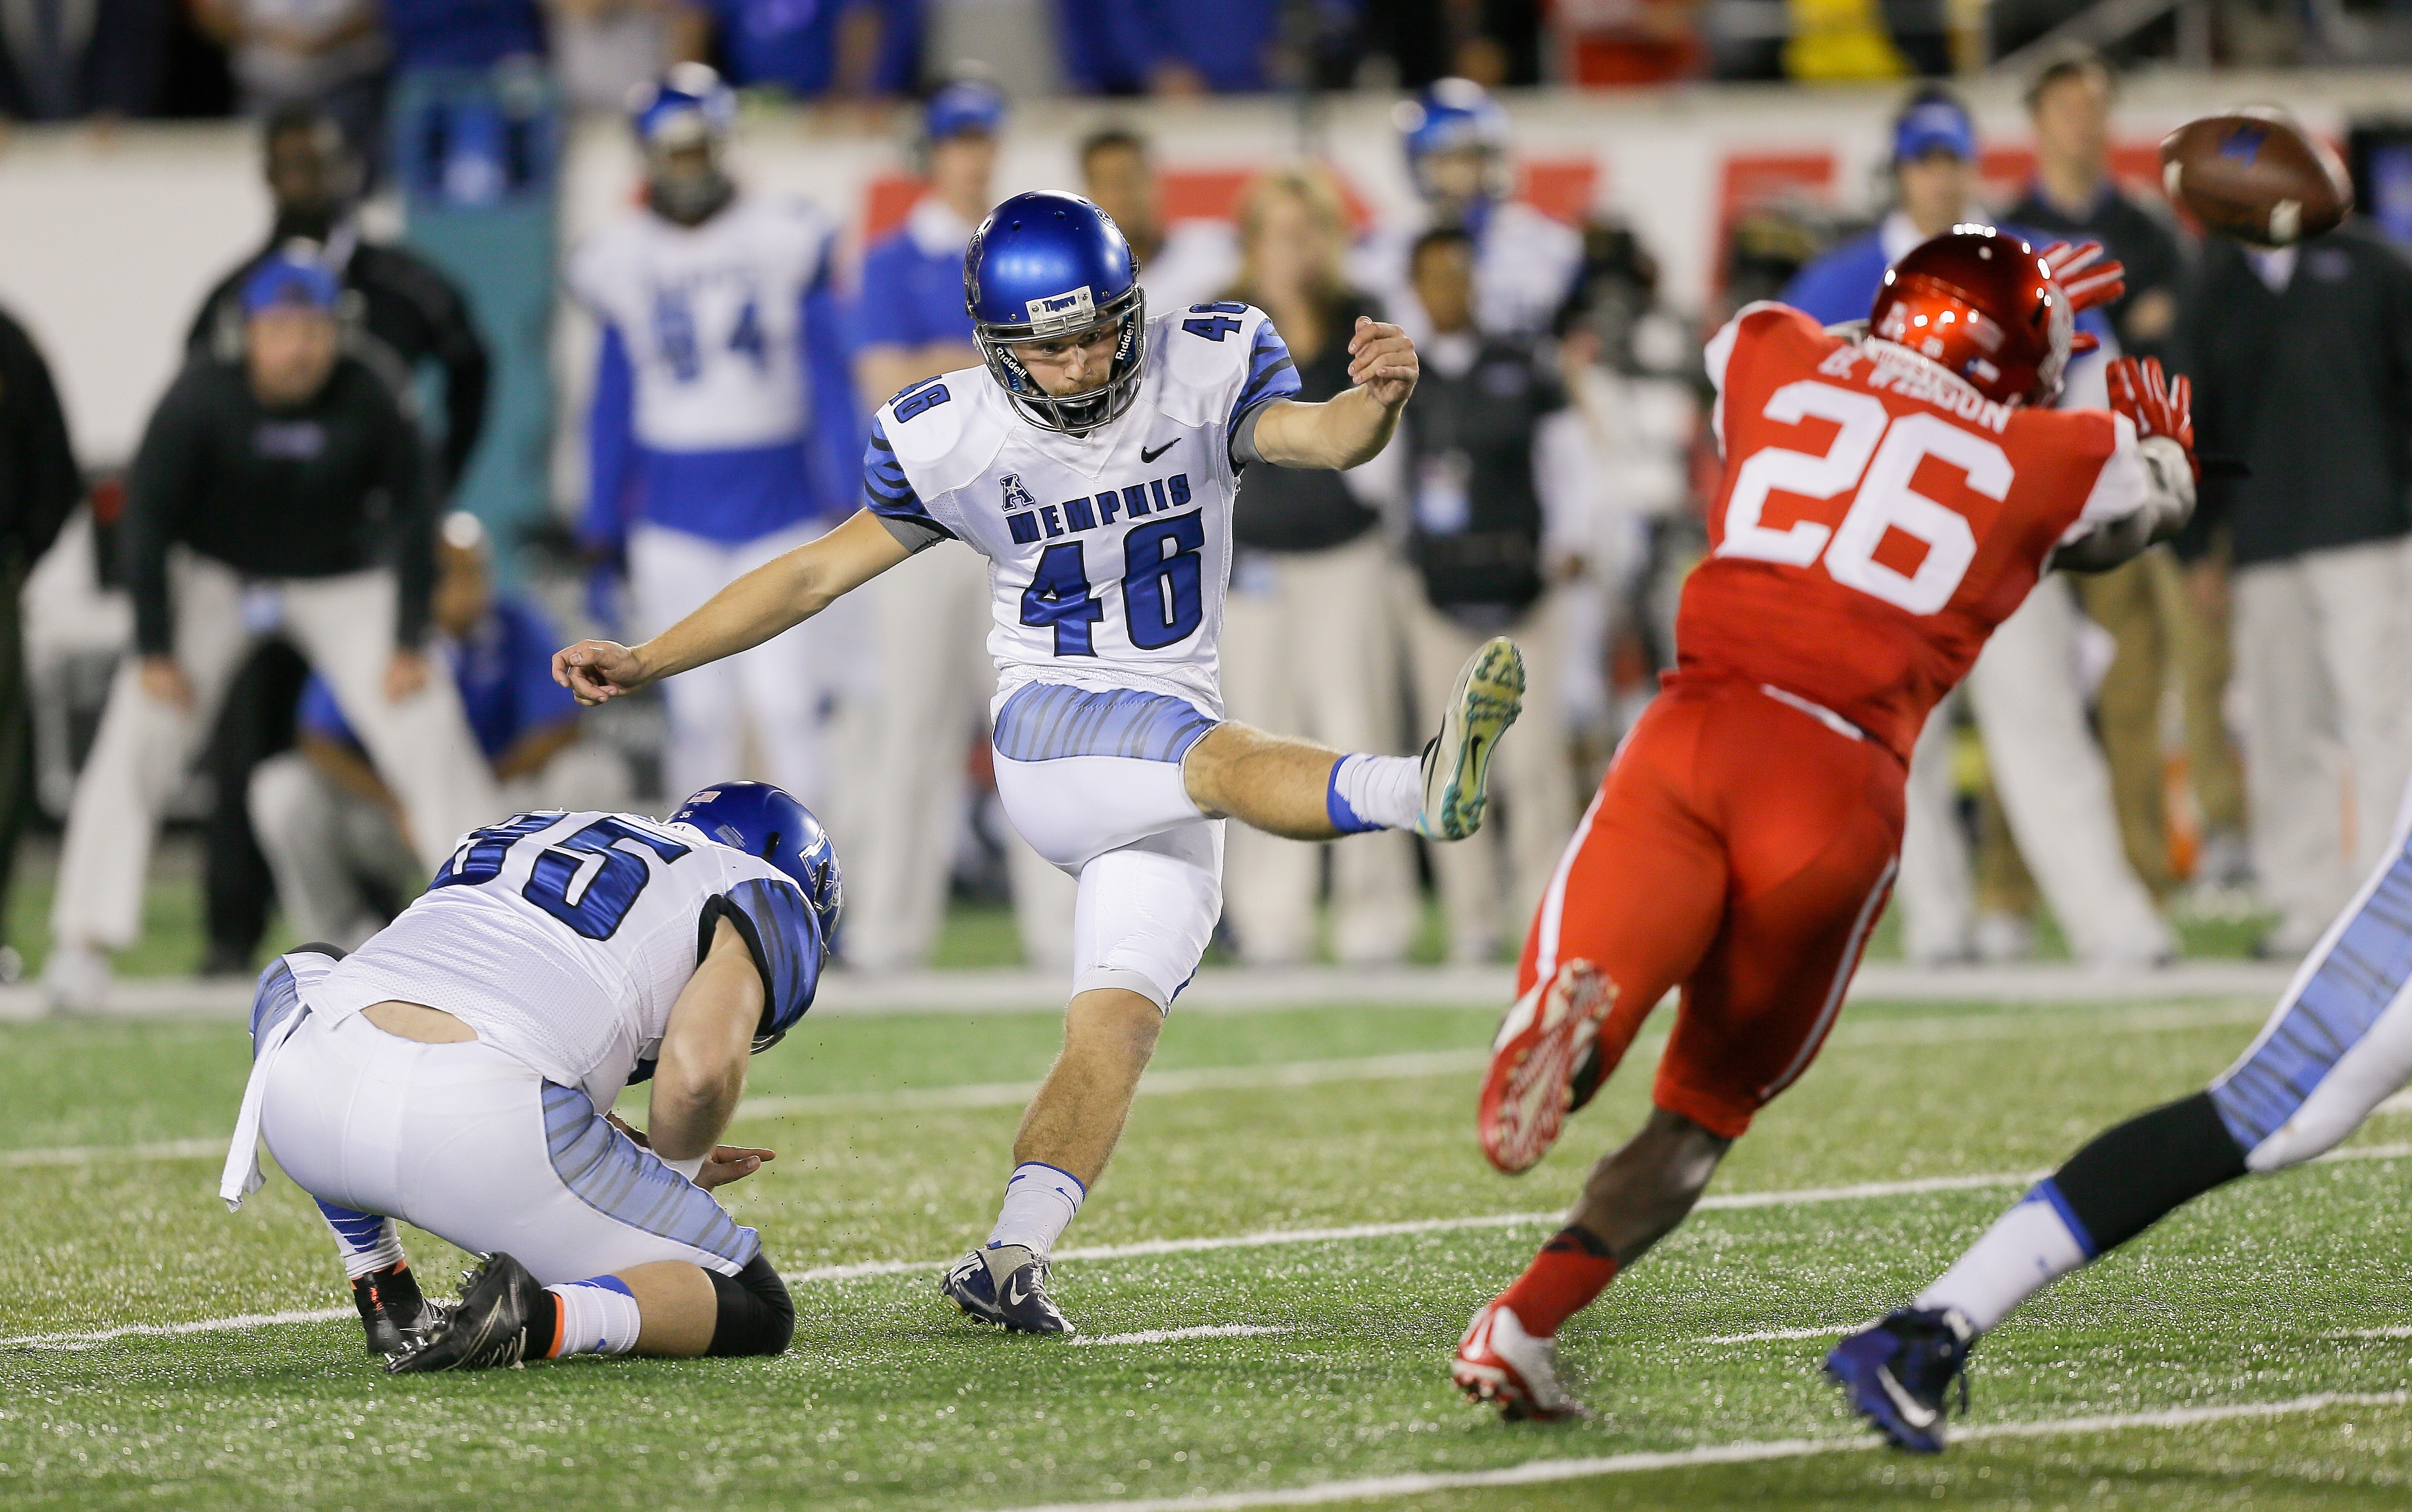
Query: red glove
2141,391
2090,279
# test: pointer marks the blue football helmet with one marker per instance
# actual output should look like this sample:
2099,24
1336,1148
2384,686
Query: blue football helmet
1454,115
762,820
687,107
1051,267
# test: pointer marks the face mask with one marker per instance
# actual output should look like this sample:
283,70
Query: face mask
690,199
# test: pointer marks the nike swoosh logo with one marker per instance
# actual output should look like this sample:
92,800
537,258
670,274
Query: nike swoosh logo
1917,1417
1014,1295
1146,456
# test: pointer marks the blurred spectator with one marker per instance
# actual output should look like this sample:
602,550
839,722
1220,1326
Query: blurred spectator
1498,41
2302,360
331,53
1496,464
1166,47
331,826
931,615
604,49
1181,264
851,49
1457,140
1611,42
2055,785
462,34
1311,568
2153,625
40,484
721,375
286,480
62,60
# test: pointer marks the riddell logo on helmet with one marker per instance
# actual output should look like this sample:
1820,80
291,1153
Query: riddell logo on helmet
1062,312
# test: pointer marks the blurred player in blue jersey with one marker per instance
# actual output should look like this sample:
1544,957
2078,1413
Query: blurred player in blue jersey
1457,138
456,1073
1092,458
2338,1044
907,811
721,412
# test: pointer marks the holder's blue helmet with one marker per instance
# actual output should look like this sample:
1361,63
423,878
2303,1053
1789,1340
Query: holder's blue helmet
1048,268
1454,115
762,820
687,107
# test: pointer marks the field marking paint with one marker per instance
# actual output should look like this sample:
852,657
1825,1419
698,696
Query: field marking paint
1165,1336
98,1153
2399,1330
1535,1471
1773,1335
245,1321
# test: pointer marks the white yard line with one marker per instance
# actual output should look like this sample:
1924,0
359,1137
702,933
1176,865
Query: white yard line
1535,1471
2398,1330
245,1321
98,1153
1773,1335
1165,1336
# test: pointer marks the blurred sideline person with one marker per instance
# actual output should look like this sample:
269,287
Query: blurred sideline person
332,54
2055,785
39,486
1457,138
2302,356
458,1071
930,617
722,371
331,825
1090,441
1496,466
1182,263
293,471
410,306
1311,568
2159,632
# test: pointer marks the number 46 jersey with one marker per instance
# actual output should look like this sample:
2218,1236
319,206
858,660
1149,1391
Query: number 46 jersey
1880,517
1108,553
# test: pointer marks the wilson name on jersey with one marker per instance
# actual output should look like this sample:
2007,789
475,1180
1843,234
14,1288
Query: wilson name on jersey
1879,519
563,940
1108,553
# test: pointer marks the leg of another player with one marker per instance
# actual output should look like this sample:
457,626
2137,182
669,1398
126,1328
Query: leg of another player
671,1309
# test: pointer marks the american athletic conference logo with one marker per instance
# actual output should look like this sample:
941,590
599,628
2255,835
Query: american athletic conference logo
1016,496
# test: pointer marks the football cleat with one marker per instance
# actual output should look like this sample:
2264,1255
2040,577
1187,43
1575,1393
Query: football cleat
1486,699
1498,1362
1019,1305
487,1329
1897,1373
392,1311
1551,1034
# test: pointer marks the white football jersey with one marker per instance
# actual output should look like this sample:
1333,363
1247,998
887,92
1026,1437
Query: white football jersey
563,939
713,319
1108,553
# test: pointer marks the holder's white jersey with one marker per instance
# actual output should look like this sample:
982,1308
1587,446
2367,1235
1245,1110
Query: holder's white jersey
713,319
563,939
1108,553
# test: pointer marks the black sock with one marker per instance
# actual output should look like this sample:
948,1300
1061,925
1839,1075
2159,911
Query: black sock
393,1289
2131,1177
1576,1237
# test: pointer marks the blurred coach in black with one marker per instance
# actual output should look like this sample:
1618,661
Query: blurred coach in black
38,485
2302,362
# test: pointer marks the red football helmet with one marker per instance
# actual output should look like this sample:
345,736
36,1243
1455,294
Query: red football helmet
1984,306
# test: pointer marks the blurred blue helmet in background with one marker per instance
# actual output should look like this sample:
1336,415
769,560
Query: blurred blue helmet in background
964,105
762,820
1454,115
687,107
1050,267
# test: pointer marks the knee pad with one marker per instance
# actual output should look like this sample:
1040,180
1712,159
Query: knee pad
756,1315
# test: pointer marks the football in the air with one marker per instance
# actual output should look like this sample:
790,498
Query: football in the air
2255,175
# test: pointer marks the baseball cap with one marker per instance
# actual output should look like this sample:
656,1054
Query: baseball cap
966,105
292,275
1933,123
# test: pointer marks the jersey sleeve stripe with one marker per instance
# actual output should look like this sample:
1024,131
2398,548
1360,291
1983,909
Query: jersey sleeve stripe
885,489
1272,375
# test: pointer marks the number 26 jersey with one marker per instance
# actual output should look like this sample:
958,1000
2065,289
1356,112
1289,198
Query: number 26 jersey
1878,518
1108,553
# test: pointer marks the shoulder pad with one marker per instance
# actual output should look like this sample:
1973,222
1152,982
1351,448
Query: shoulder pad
946,430
1201,355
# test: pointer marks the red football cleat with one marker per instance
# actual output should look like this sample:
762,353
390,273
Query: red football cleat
1498,1362
1528,1090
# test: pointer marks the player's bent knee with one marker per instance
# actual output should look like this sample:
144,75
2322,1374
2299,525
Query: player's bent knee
756,1315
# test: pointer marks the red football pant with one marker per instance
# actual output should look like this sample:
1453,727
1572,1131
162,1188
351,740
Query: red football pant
1740,849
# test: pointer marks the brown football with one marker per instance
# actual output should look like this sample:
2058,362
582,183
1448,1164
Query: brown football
2255,175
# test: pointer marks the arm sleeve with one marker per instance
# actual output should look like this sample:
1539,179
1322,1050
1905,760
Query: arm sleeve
167,471
1272,375
889,493
51,481
782,934
467,380
1566,474
2144,494
610,448
837,428
414,516
2191,354
885,315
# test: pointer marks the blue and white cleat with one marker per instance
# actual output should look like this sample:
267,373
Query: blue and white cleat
1488,695
1018,1303
1896,1374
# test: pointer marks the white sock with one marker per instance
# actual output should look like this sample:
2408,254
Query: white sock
369,1241
1040,1202
2027,1249
598,1317
1372,792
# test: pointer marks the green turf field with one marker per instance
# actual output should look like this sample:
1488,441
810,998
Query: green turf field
893,1133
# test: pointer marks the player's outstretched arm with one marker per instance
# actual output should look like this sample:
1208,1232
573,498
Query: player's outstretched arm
1353,426
701,1072
777,595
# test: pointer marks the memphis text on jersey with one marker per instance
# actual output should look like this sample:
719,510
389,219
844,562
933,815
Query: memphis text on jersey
1030,521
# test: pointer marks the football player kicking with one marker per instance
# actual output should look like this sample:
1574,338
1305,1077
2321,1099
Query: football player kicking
1092,460
1890,495
2339,1044
458,1070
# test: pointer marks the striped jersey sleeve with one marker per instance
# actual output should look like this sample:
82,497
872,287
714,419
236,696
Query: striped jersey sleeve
1272,375
888,493
782,934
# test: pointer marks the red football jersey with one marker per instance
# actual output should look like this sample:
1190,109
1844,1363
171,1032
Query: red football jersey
1878,518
